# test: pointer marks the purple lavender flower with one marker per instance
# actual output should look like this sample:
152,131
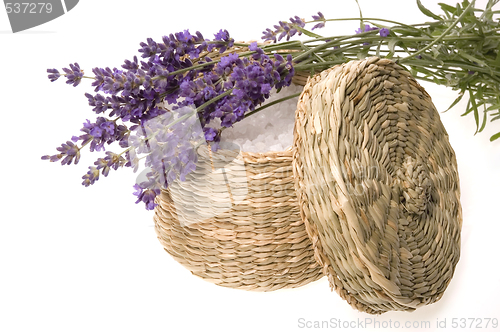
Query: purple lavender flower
251,80
284,29
108,126
138,190
319,18
255,48
146,192
269,34
210,133
99,102
91,177
68,152
131,65
101,132
54,74
366,28
148,197
149,49
74,74
96,132
224,38
384,32
111,161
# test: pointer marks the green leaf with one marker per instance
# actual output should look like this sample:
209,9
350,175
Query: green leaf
423,70
431,60
448,8
495,118
427,12
378,49
363,54
308,33
494,107
456,101
497,60
471,58
474,108
437,32
392,45
459,10
484,120
494,137
468,109
407,31
491,45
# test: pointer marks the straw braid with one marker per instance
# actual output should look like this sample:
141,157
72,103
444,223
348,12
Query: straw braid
378,187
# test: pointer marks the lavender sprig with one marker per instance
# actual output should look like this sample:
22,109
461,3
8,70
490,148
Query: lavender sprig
458,49
68,153
177,72
285,29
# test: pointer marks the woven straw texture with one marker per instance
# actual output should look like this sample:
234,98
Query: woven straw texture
235,222
378,187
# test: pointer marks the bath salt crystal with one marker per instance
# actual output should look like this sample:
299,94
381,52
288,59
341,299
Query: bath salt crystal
260,146
268,130
276,147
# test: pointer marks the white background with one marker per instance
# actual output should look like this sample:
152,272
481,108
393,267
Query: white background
87,259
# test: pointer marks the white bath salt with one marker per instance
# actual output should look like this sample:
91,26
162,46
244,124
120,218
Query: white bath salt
268,130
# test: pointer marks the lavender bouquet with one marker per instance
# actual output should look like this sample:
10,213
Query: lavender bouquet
187,89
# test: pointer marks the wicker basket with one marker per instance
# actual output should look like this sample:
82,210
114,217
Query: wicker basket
372,202
235,221
378,186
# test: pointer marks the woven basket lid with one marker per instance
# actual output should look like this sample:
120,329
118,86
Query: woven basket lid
377,185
